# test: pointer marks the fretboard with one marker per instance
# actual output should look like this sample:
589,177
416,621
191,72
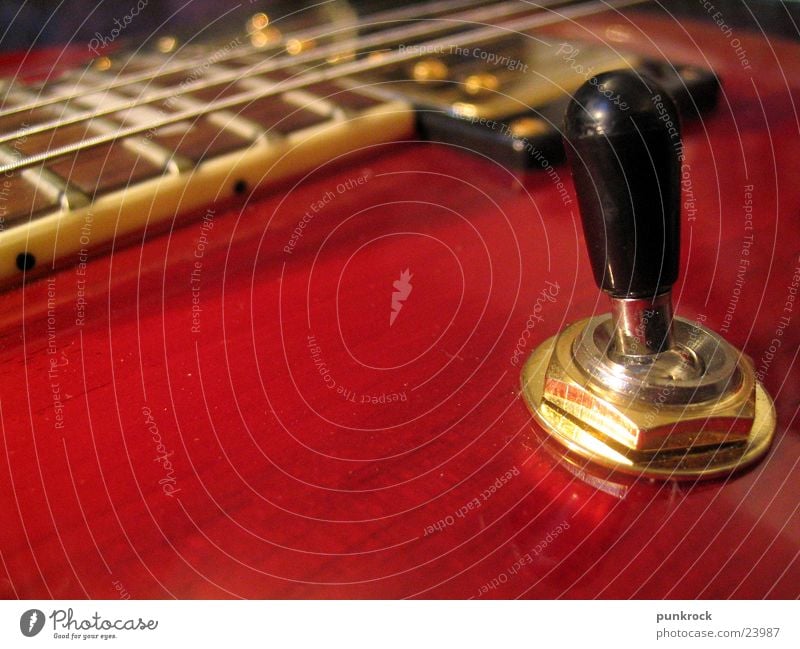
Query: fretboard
131,141
122,185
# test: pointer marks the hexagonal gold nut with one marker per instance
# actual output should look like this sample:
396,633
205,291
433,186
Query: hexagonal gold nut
656,438
648,426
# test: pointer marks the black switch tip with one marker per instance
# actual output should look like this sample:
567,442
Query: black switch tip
623,143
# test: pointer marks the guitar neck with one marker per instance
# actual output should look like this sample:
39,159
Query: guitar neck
130,142
79,201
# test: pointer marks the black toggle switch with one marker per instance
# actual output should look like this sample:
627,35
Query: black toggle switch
640,391
623,142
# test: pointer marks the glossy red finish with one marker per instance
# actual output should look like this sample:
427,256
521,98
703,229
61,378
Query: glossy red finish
43,64
283,482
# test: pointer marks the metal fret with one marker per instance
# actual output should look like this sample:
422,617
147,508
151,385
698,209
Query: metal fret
346,100
163,158
233,122
29,193
129,161
295,99
59,191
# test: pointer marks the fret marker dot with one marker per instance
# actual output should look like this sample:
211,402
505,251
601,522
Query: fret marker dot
240,187
25,261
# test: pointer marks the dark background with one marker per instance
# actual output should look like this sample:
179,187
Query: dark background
26,24
37,23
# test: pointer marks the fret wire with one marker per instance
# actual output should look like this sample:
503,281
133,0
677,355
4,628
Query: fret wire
310,33
391,36
479,35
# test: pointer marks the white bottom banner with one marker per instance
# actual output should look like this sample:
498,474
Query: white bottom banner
400,624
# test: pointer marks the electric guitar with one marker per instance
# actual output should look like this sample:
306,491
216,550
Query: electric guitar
272,303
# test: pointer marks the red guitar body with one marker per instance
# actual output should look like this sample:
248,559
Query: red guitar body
232,410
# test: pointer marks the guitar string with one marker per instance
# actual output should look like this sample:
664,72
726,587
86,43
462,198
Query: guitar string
391,36
429,9
479,35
